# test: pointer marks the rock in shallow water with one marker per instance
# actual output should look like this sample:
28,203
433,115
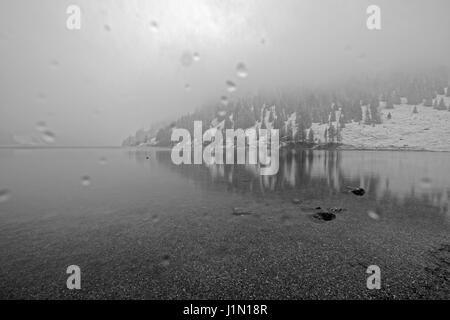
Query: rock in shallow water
337,210
241,211
357,191
324,216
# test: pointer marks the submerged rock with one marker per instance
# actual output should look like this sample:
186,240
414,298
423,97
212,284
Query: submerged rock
324,216
357,191
337,210
296,201
241,211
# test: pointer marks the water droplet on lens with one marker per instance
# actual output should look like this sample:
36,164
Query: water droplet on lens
196,56
5,194
222,113
155,218
48,136
54,63
107,27
154,26
186,59
41,126
187,87
102,160
241,70
41,96
224,100
425,183
231,86
86,181
372,214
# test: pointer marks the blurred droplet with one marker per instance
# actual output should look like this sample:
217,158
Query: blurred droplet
187,87
48,136
103,160
41,126
155,218
86,181
348,48
107,27
224,100
196,56
154,26
54,63
425,183
165,260
231,86
41,96
5,195
362,56
373,215
241,70
263,41
186,59
222,113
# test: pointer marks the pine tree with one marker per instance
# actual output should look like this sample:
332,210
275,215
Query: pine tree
367,119
163,136
331,133
271,117
375,113
333,112
441,105
415,110
311,136
300,134
389,116
342,121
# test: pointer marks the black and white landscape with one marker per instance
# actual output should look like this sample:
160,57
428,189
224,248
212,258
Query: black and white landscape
93,205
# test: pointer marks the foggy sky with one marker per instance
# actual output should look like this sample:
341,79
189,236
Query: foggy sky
96,85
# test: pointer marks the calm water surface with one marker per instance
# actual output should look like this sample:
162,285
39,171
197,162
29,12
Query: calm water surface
127,217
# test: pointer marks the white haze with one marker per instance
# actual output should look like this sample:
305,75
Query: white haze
96,85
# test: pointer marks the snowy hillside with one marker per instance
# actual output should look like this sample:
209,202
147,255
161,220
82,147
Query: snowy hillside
429,129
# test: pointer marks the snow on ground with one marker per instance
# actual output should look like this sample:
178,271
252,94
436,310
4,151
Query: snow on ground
429,129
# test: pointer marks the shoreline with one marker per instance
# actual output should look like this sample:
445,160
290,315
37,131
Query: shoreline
334,147
341,147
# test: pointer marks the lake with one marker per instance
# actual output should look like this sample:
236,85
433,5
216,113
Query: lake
140,227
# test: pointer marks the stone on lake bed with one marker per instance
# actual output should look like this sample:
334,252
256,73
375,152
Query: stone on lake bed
357,191
337,209
238,211
324,216
296,201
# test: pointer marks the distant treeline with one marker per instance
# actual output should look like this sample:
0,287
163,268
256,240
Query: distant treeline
293,111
